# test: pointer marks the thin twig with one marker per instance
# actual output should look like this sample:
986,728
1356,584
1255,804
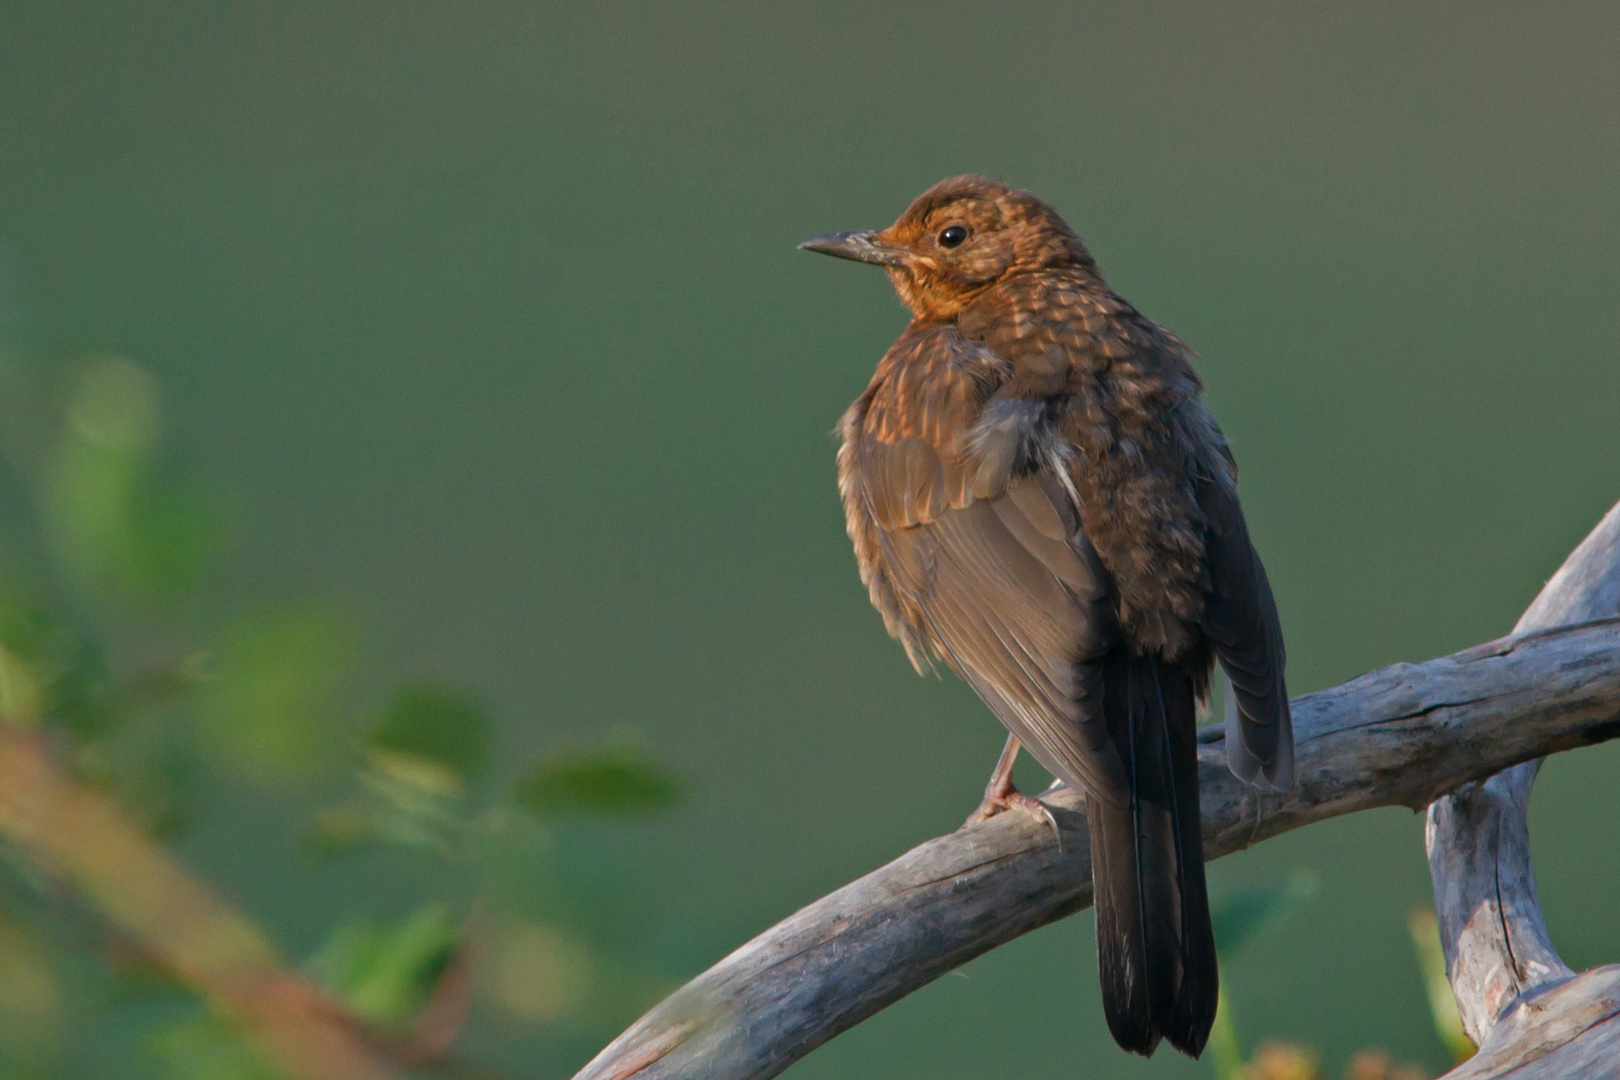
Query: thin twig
78,835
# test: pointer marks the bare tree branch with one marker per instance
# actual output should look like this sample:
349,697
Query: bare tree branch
1402,735
1498,953
1571,1029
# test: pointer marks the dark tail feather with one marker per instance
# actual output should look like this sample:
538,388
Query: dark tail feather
1155,948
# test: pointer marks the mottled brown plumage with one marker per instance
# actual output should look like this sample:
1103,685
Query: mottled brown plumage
1038,498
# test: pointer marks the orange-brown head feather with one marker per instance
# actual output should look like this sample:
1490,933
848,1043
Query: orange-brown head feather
965,234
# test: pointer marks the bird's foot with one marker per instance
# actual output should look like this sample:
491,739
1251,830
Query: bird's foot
999,795
1012,799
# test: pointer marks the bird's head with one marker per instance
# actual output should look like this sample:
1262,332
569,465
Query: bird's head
957,239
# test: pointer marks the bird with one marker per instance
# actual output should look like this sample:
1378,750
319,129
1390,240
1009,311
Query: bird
1039,499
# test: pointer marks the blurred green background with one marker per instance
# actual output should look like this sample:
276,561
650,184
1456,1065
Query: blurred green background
484,329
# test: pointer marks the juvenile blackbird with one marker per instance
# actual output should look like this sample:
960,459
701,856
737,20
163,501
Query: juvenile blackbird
1038,498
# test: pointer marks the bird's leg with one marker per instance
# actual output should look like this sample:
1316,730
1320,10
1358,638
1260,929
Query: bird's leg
999,793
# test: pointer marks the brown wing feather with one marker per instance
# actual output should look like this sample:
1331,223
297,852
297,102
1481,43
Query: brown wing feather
988,570
1240,617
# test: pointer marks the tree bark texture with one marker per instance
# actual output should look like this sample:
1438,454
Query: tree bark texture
1519,1001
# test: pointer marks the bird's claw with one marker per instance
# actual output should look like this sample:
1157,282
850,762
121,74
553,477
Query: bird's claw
994,804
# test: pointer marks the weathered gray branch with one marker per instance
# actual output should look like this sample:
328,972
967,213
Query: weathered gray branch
1402,735
1517,998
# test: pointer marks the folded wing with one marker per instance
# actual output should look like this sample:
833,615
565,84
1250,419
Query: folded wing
1240,617
987,558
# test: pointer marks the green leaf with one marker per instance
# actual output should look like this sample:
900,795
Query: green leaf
209,1048
340,830
100,460
171,537
436,723
404,800
1242,918
115,404
268,710
66,672
111,522
383,973
413,778
19,690
613,782
1224,1050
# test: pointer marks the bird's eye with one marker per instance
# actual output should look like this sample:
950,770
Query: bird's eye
953,237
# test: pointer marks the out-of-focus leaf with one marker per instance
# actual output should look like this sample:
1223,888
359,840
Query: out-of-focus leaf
31,998
618,781
209,1048
436,723
154,775
162,685
111,522
115,404
540,973
172,534
1448,1023
268,709
49,674
1244,917
112,426
19,691
339,830
406,801
1224,1050
63,671
385,974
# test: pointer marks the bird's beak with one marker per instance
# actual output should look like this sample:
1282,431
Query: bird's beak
862,246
